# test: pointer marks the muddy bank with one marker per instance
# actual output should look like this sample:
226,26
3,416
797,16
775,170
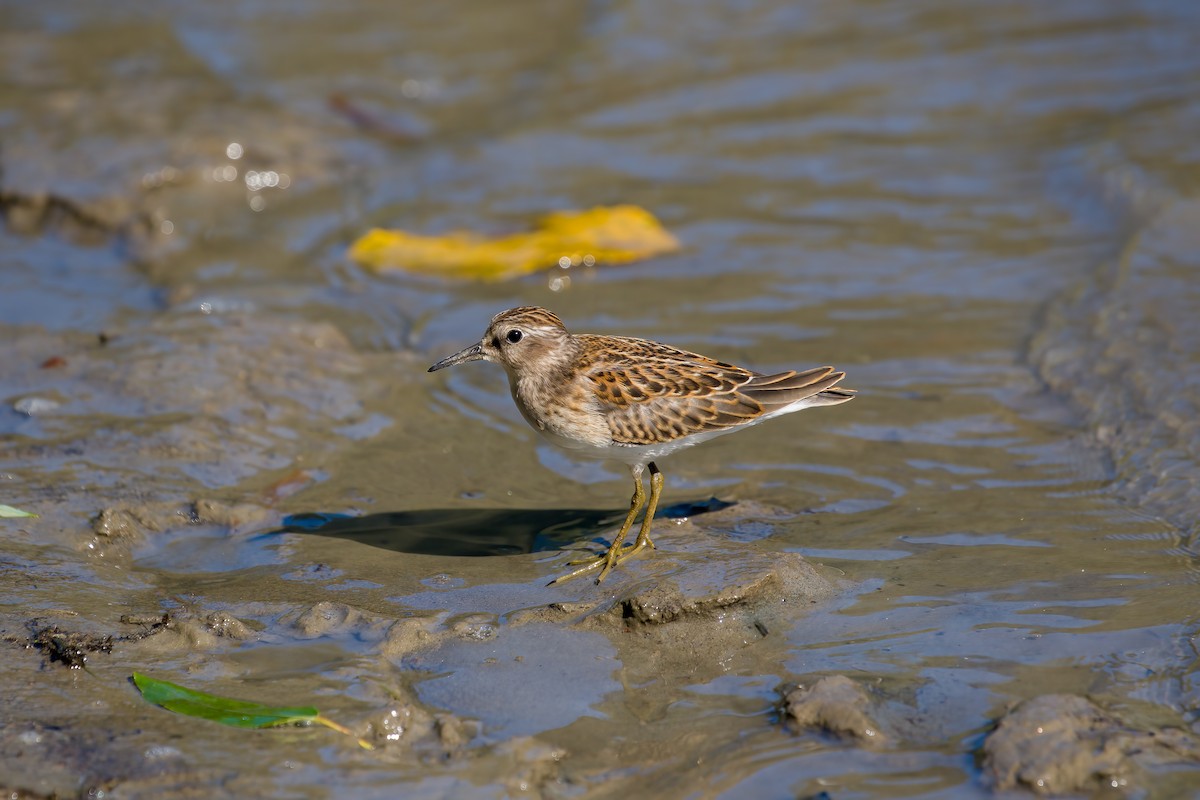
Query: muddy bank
155,411
463,687
1123,344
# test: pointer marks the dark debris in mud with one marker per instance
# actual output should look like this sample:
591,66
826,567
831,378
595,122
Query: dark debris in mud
69,648
73,648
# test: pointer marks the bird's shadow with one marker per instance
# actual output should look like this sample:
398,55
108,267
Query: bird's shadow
475,531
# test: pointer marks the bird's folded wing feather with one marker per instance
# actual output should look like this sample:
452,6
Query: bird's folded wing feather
650,393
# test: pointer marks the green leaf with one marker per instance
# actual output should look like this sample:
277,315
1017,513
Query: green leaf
9,511
227,711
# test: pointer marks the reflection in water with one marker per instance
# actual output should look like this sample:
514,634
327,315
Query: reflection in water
455,531
475,531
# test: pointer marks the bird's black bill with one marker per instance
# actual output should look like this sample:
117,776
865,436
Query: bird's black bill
472,353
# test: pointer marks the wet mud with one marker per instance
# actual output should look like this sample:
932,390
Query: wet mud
975,580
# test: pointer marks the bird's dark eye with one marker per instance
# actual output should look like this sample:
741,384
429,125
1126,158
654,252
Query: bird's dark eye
513,336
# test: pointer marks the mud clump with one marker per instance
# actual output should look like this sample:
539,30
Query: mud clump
327,617
695,607
82,221
1056,744
834,705
409,635
746,580
695,576
429,735
227,626
129,522
712,599
531,767
191,630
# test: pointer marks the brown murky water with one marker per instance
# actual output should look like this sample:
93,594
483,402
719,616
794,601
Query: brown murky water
985,213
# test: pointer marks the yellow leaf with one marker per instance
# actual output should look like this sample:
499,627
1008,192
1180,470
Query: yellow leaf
607,234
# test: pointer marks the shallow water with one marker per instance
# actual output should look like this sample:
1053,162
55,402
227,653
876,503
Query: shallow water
984,213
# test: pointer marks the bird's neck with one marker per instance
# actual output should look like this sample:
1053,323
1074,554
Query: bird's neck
554,375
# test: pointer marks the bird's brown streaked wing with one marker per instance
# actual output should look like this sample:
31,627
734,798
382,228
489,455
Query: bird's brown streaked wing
628,371
640,418
663,419
652,393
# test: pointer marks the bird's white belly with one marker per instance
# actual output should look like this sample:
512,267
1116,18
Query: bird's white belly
626,453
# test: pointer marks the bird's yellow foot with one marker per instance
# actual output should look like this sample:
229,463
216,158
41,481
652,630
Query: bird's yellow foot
604,555
605,561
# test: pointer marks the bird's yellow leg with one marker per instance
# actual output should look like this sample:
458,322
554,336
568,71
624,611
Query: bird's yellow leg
606,561
643,539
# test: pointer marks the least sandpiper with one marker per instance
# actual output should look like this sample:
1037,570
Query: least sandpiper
632,400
